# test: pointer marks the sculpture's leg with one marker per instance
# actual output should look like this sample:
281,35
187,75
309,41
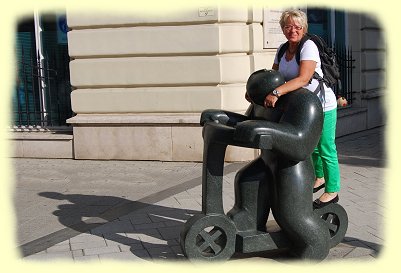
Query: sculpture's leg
211,235
212,177
308,233
251,208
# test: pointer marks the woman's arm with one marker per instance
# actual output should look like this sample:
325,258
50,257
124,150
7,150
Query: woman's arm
306,70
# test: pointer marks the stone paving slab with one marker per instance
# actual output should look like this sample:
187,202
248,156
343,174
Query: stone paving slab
130,210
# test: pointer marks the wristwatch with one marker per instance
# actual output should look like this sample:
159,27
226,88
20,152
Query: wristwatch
276,93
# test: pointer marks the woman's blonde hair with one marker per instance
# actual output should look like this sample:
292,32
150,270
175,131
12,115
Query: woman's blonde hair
297,15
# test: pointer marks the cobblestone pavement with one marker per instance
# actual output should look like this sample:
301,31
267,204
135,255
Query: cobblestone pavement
134,210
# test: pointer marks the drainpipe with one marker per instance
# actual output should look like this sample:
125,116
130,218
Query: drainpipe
40,58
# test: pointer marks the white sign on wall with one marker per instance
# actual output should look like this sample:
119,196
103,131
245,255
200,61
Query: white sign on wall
273,36
202,12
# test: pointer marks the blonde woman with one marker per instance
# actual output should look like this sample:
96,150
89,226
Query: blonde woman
294,26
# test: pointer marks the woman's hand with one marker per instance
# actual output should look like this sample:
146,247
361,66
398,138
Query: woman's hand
270,100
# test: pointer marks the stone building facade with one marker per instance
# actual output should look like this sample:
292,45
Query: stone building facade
141,82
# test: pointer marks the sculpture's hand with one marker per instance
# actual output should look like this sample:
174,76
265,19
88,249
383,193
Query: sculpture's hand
256,133
222,117
217,116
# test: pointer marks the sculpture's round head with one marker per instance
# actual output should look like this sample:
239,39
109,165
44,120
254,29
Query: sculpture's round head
261,82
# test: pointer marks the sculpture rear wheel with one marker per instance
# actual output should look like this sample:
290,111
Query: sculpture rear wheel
336,220
208,237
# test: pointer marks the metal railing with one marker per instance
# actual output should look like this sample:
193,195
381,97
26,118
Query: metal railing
42,92
346,62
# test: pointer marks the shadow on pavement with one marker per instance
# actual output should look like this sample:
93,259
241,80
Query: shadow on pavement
105,216
82,213
355,242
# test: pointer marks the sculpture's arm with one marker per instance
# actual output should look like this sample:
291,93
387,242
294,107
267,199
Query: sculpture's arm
220,116
283,138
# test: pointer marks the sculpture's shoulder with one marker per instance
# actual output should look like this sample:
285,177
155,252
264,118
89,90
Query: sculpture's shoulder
269,114
301,94
300,100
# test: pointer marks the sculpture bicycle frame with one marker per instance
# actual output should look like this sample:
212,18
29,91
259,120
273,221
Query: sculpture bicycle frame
280,180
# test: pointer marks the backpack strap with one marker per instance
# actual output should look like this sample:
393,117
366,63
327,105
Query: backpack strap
281,51
285,46
320,87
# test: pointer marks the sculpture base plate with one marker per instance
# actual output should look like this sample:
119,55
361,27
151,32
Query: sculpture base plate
254,241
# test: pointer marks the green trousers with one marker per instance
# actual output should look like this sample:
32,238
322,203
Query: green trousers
324,157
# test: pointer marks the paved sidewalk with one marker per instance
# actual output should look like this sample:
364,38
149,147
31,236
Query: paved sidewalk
134,210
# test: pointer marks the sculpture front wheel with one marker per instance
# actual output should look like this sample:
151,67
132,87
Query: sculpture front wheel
208,237
336,220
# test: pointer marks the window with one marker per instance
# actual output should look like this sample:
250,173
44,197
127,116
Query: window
42,89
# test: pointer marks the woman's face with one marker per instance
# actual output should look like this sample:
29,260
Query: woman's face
293,30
